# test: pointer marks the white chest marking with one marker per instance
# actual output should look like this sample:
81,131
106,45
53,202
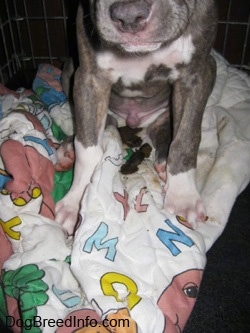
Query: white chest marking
132,68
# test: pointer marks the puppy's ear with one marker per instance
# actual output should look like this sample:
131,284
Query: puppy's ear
68,77
85,50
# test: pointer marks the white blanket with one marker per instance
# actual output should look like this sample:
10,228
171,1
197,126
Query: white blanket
128,253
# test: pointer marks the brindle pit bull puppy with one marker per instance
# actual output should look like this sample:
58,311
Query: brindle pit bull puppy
149,62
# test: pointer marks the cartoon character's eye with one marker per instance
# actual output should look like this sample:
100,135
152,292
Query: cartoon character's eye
191,290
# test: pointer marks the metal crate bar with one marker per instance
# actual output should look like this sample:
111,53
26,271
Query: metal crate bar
24,54
32,56
244,63
12,64
20,21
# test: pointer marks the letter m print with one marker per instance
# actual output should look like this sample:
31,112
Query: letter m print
97,241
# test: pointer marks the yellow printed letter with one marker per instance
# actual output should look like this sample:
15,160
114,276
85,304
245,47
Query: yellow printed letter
109,279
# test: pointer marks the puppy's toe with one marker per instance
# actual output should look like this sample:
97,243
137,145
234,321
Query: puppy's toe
160,168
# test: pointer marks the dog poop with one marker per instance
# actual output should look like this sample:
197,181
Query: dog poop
136,159
129,137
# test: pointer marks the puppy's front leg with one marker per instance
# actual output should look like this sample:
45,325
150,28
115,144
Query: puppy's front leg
91,98
190,96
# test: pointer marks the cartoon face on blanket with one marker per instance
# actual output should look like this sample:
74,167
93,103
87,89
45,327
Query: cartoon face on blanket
31,158
183,290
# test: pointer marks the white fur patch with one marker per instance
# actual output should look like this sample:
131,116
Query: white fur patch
141,47
182,197
132,68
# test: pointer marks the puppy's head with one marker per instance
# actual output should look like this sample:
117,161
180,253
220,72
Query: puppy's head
141,25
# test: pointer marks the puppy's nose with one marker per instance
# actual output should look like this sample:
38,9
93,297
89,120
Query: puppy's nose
130,16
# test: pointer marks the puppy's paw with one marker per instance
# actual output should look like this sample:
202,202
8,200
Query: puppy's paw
191,209
183,199
161,169
67,213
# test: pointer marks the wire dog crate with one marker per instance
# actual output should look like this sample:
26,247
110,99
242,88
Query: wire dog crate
38,31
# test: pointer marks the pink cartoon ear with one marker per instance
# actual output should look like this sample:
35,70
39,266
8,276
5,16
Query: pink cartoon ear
74,322
16,164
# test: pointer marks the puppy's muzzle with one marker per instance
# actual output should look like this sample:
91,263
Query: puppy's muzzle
130,16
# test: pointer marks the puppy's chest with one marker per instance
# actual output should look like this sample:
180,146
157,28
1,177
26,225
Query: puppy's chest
160,65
